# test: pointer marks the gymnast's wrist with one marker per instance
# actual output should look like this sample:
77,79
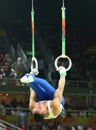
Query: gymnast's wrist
62,73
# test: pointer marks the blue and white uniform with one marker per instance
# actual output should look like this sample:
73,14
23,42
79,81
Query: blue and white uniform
51,115
43,90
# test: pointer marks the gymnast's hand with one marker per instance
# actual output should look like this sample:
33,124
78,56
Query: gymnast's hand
34,71
62,71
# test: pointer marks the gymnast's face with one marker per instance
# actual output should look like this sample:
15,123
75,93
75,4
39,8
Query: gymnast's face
40,108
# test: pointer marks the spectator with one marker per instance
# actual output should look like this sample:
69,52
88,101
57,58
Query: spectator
2,110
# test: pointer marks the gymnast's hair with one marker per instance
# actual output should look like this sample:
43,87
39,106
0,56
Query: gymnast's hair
38,117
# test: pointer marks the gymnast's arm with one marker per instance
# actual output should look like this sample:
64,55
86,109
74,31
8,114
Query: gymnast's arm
59,92
32,99
55,104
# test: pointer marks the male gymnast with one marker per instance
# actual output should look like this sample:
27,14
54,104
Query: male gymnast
45,102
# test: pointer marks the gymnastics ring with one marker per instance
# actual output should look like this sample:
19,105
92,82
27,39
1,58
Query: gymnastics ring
34,63
63,56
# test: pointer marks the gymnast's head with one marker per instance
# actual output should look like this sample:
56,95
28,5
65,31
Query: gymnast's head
39,111
38,117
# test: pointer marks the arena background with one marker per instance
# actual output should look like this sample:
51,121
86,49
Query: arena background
15,48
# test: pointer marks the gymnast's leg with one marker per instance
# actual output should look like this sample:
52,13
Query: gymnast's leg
40,86
48,87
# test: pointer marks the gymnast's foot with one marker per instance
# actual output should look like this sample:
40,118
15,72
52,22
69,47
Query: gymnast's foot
27,78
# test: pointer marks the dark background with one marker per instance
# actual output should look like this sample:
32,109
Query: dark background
15,18
79,13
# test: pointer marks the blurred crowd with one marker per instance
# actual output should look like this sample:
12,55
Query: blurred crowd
12,71
83,69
